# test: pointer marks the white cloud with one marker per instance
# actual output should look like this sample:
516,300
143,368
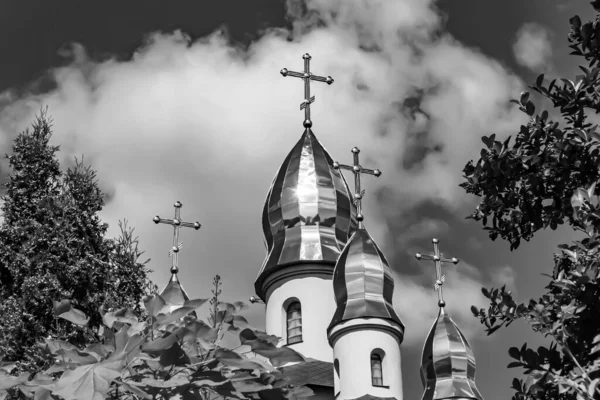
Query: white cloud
417,305
532,47
209,124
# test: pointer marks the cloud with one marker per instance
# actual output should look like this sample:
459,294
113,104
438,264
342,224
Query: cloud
533,47
426,228
208,123
417,305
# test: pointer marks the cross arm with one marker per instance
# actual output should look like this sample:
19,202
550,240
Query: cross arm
195,225
159,220
328,80
375,172
337,165
285,72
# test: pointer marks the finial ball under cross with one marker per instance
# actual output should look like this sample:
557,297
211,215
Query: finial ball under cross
357,170
438,260
307,77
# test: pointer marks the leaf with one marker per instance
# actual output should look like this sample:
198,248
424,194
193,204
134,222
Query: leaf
279,356
134,389
575,22
233,359
163,343
154,304
65,310
524,98
8,381
530,108
514,353
88,382
188,307
79,357
122,315
475,311
539,80
174,355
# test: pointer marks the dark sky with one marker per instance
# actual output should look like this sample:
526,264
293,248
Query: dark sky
122,122
32,32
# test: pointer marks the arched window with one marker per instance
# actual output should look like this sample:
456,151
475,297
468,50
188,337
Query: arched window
294,323
376,370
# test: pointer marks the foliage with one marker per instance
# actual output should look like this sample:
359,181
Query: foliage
546,178
167,354
53,247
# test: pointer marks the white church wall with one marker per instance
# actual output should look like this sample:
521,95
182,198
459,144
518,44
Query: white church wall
318,305
353,351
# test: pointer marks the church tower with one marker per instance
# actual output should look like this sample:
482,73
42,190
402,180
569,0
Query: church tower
307,219
448,362
173,293
365,331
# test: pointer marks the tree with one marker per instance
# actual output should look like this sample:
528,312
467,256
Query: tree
547,177
164,355
53,247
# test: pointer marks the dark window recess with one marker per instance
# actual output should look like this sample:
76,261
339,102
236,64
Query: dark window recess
294,323
376,371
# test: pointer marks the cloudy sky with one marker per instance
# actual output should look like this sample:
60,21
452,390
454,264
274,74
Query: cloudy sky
184,101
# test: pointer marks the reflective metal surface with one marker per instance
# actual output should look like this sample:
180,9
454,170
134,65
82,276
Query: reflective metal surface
307,76
438,260
308,214
363,282
173,293
357,169
448,364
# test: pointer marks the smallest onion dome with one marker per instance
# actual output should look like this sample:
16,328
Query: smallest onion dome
363,282
174,294
448,364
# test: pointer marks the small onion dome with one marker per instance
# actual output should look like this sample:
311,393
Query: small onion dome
308,215
448,364
363,282
173,293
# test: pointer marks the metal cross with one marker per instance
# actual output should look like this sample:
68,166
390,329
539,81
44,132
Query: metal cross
307,76
357,170
437,258
177,223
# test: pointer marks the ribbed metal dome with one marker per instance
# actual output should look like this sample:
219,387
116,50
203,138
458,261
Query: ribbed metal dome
308,215
448,364
363,282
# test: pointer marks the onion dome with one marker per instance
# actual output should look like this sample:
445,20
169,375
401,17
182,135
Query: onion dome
174,294
448,364
308,216
363,282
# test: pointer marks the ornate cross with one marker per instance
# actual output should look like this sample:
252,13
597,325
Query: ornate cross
307,76
437,258
177,223
357,170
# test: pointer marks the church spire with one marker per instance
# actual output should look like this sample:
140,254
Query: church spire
173,293
308,215
307,219
362,280
365,331
448,362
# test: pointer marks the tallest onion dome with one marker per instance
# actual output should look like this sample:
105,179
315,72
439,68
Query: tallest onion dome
308,216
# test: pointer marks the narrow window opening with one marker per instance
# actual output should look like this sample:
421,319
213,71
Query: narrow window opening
376,370
336,366
294,323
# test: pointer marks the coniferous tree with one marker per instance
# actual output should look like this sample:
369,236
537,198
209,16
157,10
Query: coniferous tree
53,247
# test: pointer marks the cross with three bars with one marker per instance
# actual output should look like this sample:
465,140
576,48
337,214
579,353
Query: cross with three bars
307,76
176,223
438,260
357,169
